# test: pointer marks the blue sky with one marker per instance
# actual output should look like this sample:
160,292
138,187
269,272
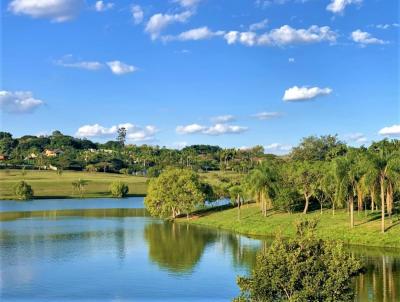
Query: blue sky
232,73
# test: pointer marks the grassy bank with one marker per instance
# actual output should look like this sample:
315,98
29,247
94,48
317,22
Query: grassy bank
48,184
366,231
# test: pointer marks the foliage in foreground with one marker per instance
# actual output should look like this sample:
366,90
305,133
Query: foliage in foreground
174,192
23,191
119,189
302,269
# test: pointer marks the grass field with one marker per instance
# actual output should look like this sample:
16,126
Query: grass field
48,184
366,231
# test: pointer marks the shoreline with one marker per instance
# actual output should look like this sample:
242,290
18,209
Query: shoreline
254,225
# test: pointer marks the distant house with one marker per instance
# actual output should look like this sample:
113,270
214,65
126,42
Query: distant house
52,153
31,156
3,157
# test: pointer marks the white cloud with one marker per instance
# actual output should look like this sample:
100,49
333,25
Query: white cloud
18,101
266,3
359,138
267,115
338,6
365,38
223,118
277,148
55,10
137,14
291,60
296,93
159,22
102,6
119,68
195,34
190,129
285,35
187,3
259,25
133,133
67,61
390,131
217,129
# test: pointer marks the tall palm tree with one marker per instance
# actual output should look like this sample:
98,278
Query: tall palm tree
261,184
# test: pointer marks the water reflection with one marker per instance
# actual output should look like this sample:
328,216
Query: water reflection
103,253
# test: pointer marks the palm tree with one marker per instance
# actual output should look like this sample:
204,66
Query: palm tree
79,185
261,184
387,167
349,172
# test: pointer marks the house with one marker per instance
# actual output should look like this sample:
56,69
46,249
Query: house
52,153
3,157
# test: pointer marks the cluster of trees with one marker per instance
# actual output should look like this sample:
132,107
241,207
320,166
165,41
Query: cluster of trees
119,157
320,173
356,179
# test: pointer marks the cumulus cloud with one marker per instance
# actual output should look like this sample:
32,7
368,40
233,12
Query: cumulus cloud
217,129
190,129
267,115
291,60
18,101
158,22
390,131
277,148
259,25
188,3
55,10
285,35
223,118
338,6
102,6
119,68
195,34
365,38
137,14
296,93
134,133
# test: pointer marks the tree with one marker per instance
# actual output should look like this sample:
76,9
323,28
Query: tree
300,270
23,191
119,189
174,192
305,177
314,148
79,185
236,195
121,138
262,184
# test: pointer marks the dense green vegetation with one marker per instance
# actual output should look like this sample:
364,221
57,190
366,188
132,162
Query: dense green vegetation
174,192
63,152
50,184
23,191
301,269
119,189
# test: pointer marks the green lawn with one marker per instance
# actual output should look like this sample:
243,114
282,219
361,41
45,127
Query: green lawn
366,231
48,184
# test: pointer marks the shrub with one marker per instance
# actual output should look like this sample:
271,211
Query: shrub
119,189
302,269
23,191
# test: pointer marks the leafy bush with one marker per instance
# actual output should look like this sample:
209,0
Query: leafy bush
288,199
23,191
302,269
119,189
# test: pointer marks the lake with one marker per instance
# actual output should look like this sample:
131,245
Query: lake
111,250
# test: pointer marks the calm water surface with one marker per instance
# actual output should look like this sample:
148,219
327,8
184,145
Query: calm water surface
111,250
